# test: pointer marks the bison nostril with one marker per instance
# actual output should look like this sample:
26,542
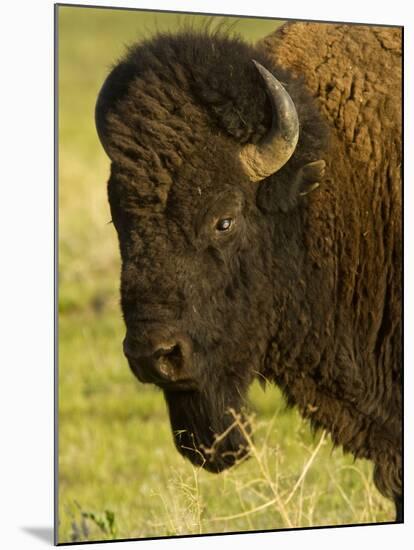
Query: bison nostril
165,361
169,359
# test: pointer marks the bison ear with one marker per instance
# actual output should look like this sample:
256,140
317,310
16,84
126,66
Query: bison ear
277,197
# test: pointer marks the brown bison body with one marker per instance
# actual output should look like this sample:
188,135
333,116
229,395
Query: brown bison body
355,230
235,264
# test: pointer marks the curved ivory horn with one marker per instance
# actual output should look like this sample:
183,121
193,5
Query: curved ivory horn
275,149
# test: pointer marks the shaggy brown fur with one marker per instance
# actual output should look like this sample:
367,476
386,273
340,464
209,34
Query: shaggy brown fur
354,224
305,290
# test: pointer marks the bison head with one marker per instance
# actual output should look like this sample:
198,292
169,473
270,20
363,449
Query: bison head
192,127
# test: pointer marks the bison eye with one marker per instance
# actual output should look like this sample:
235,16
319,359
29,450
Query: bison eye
224,224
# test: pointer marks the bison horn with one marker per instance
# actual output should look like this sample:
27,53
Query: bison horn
275,149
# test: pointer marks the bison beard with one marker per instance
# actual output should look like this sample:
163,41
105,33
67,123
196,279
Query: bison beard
206,431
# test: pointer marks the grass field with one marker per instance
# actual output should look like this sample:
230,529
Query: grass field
119,473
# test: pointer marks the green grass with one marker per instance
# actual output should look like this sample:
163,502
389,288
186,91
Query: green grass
119,473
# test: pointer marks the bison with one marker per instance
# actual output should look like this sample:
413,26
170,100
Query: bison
256,195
